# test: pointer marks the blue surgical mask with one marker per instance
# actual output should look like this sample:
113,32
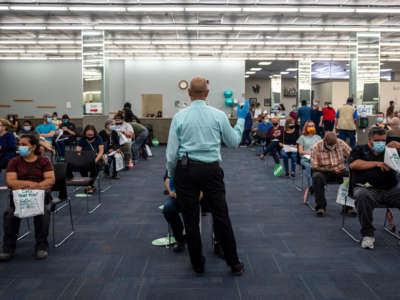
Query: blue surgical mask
316,103
293,108
379,146
27,128
379,120
330,105
66,121
49,120
113,127
23,151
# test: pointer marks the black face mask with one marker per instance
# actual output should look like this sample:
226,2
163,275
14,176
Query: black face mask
291,126
91,137
118,123
275,124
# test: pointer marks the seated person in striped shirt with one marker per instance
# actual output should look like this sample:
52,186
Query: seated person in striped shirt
327,164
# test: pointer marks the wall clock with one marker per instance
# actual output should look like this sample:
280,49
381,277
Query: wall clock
183,84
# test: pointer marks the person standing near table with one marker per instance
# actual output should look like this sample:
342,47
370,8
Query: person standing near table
193,156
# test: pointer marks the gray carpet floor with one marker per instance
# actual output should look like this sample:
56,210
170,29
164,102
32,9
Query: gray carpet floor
287,251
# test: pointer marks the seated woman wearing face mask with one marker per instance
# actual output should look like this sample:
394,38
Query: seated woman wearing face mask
91,141
306,141
29,170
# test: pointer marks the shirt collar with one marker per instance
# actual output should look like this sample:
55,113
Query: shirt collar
198,102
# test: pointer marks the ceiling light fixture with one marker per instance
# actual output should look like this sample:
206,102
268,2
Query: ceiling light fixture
38,8
148,27
255,28
155,8
256,69
212,9
270,9
326,10
210,28
264,63
23,27
116,27
103,8
69,27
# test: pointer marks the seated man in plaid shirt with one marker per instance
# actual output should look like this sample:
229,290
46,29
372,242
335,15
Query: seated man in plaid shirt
327,164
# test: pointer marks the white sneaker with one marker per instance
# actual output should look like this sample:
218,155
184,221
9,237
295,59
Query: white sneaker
367,242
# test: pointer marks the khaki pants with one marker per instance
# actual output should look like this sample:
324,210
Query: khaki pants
126,150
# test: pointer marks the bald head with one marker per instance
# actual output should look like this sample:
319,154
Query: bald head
330,138
198,89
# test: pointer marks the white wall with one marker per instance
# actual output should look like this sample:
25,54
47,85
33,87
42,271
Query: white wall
46,82
389,90
116,95
162,77
52,83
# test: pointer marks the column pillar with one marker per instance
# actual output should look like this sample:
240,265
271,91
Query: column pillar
93,69
304,81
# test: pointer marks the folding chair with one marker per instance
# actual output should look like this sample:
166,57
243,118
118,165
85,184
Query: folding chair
60,174
80,161
299,178
348,231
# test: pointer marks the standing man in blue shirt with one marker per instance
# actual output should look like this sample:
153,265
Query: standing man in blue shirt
47,130
304,113
193,156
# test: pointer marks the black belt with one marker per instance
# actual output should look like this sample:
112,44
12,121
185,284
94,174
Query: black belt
200,163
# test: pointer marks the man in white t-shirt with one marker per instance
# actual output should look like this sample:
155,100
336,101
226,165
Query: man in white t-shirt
125,133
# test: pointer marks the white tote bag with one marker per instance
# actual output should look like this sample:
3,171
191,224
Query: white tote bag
392,159
119,162
343,193
123,139
28,203
148,150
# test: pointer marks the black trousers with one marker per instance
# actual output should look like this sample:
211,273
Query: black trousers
11,227
320,179
209,178
328,125
367,199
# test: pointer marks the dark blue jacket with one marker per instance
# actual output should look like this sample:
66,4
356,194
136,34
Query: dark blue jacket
248,123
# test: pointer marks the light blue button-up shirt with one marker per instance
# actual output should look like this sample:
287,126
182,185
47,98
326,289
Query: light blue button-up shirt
198,131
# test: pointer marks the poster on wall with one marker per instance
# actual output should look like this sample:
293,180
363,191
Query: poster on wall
365,110
93,108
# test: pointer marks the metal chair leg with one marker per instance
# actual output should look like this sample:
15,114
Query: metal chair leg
98,198
388,229
68,236
26,233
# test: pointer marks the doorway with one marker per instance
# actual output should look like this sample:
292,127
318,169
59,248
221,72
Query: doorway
152,105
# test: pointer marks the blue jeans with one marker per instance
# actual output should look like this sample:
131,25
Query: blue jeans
171,212
273,147
139,141
293,158
246,139
306,164
351,134
60,146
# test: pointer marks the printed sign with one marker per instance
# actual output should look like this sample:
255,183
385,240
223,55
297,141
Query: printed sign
365,110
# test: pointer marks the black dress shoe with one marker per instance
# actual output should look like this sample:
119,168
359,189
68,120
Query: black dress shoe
238,269
199,269
5,256
178,247
218,251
